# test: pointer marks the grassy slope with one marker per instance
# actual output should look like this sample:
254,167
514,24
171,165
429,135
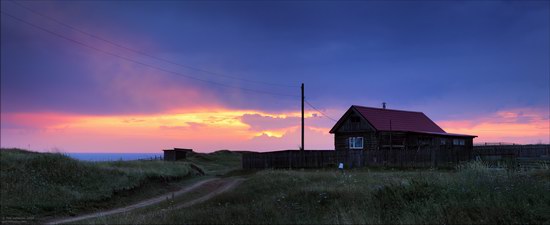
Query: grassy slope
45,184
217,163
474,194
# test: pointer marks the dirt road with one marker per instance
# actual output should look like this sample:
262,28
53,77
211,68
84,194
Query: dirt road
214,185
221,185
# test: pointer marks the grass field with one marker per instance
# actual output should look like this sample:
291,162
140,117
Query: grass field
473,194
40,185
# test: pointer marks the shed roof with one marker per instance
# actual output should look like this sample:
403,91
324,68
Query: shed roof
179,150
400,120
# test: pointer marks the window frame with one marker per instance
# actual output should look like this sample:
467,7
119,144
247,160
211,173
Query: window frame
459,142
352,142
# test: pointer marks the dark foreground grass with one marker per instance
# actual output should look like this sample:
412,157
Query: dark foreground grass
473,194
37,185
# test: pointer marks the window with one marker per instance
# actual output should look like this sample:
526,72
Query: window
356,143
458,141
424,141
355,119
443,141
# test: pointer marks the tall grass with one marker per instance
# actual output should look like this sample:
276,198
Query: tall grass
42,184
473,194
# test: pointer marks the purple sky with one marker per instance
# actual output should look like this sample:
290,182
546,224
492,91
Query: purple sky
457,61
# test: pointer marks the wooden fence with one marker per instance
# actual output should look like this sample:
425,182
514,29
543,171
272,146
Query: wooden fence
354,159
389,158
513,156
512,151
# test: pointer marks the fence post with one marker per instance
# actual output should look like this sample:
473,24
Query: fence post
242,161
289,159
433,157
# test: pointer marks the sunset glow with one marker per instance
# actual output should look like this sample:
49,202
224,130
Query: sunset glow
207,76
520,126
223,128
207,130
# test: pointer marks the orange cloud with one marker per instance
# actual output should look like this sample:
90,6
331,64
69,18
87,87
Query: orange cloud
314,139
275,125
522,126
208,129
201,129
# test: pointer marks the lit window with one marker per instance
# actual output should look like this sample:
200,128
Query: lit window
356,143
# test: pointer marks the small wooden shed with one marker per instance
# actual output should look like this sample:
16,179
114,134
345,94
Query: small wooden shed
176,154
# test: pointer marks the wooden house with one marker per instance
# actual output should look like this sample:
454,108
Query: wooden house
367,128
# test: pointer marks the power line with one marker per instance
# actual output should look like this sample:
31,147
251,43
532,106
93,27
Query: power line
142,63
319,111
144,53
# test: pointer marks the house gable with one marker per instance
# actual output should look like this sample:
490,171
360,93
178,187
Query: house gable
352,121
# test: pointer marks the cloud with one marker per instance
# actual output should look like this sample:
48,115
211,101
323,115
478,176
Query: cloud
209,129
32,120
72,93
259,122
204,129
314,140
521,125
279,125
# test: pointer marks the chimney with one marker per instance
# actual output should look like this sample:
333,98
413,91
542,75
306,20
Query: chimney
383,105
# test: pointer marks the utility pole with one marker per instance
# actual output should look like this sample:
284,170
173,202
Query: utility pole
391,143
302,149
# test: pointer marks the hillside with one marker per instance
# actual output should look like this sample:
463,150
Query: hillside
39,185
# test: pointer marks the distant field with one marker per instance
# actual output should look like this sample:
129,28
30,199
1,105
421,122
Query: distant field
40,185
472,194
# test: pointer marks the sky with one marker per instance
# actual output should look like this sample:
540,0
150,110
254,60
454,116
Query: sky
125,76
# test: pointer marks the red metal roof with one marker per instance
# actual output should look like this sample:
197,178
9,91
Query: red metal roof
406,121
400,120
